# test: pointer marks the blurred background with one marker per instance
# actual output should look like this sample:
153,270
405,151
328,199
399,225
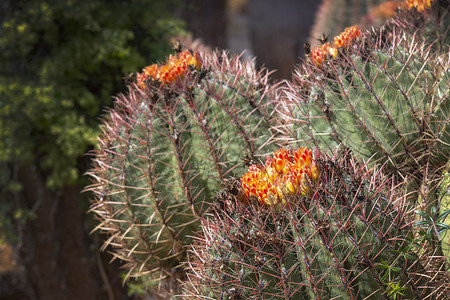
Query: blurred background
61,63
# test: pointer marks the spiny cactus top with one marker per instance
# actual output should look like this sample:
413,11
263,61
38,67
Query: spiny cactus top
344,239
281,178
166,147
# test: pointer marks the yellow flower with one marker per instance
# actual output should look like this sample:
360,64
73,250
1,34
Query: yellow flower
283,176
303,157
420,5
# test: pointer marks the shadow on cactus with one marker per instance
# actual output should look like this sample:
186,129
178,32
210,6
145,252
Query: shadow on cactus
165,148
337,231
385,95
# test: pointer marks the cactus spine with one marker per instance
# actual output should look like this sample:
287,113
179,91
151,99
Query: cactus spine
343,236
165,148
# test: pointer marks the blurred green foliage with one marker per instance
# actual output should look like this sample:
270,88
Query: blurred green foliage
61,61
60,64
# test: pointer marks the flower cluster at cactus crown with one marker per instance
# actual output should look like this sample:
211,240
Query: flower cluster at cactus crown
343,40
283,176
420,5
175,67
388,9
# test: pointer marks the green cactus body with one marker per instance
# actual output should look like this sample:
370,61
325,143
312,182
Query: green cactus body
444,207
387,100
164,151
383,117
333,244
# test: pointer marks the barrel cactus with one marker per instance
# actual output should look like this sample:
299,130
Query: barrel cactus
166,146
339,230
384,94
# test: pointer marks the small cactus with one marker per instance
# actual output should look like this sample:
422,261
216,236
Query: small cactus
166,146
343,234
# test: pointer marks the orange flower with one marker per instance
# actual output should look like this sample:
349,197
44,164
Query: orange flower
281,178
420,5
149,71
175,67
348,36
319,54
303,157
